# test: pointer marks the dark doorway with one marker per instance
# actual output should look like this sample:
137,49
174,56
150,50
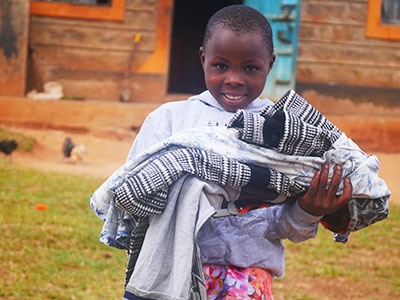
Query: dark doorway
189,22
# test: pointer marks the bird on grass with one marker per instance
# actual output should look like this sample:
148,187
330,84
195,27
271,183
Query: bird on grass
73,153
8,147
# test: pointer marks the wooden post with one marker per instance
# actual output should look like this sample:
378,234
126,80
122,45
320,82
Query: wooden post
14,29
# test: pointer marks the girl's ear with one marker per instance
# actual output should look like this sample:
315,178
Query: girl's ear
271,62
202,56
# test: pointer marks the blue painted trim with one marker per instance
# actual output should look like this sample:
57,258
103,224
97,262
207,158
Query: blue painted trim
285,27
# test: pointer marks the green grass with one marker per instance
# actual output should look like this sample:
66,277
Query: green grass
55,254
367,267
25,143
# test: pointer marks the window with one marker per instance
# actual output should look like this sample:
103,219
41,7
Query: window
86,2
112,10
391,12
383,20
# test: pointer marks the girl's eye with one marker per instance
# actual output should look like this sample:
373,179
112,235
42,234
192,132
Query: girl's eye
251,68
220,66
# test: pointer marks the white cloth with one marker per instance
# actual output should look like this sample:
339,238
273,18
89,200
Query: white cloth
360,168
163,269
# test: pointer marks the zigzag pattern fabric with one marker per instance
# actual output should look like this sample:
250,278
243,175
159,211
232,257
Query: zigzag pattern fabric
141,188
146,192
306,131
249,126
283,185
366,211
137,237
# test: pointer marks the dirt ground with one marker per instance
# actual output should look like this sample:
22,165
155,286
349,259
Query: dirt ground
105,153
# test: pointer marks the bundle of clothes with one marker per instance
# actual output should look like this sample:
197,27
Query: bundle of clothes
168,192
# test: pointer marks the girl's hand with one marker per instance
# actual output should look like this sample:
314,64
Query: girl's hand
320,200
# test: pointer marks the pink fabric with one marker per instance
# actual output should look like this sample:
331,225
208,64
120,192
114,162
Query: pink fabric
230,282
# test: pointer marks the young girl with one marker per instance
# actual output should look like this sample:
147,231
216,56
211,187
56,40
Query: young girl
240,254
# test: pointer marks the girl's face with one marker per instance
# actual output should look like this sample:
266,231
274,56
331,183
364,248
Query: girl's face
235,67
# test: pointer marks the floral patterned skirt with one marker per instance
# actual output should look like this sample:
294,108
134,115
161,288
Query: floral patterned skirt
230,282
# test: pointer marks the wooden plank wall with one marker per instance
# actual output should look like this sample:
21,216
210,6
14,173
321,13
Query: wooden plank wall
14,28
334,50
89,57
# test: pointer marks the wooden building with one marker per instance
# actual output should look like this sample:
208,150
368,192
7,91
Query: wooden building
87,47
88,55
346,52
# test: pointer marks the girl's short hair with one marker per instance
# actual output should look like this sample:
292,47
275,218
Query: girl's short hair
240,19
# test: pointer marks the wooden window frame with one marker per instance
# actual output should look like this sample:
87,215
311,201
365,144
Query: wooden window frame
375,29
114,12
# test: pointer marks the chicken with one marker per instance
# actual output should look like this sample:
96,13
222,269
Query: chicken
78,154
8,146
67,147
73,153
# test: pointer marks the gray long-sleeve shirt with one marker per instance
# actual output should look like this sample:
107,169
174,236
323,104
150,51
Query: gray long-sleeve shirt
251,239
173,117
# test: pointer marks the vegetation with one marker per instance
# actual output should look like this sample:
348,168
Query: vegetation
55,253
367,267
25,143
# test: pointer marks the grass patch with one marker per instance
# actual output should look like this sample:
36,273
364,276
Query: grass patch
367,267
25,143
53,254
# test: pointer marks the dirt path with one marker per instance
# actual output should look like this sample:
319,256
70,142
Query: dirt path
103,154
107,153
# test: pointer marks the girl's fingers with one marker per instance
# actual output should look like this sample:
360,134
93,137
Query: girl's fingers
335,182
347,191
321,201
321,191
307,202
313,188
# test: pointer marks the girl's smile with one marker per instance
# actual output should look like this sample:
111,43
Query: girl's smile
236,66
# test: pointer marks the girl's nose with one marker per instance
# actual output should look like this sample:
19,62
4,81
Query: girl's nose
233,78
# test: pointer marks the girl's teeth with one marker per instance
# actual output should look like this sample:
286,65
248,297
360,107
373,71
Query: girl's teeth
233,97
